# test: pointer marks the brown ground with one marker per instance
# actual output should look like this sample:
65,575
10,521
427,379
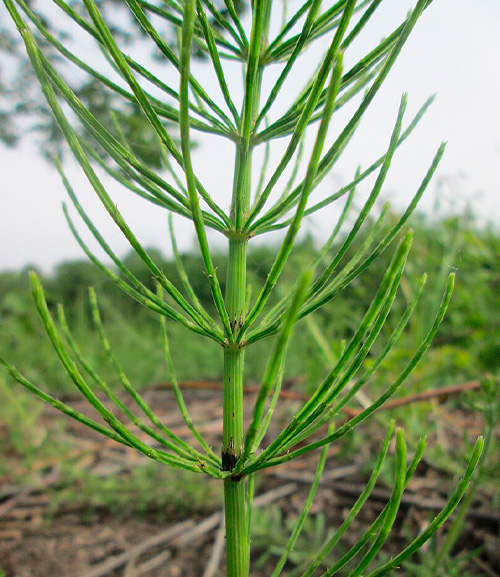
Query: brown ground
73,541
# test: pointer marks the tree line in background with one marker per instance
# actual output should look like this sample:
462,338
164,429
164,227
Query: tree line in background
467,346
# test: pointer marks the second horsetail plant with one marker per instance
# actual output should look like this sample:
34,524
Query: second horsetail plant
250,119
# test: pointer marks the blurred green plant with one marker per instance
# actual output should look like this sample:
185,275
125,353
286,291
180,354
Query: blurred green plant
19,415
486,403
425,564
146,489
238,320
270,533
26,441
464,347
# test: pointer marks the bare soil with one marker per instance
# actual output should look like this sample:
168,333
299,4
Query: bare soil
40,539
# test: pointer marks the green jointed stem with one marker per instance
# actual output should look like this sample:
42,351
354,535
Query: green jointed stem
237,554
236,515
237,540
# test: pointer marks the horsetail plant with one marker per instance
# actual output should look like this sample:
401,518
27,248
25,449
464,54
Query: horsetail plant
280,201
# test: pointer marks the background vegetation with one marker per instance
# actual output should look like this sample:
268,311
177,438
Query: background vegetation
466,348
467,345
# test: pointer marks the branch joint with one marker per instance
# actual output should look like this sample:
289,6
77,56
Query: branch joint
241,235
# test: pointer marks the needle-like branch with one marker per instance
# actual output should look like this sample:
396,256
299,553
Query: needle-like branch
187,35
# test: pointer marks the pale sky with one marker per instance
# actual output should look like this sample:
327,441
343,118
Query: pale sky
454,52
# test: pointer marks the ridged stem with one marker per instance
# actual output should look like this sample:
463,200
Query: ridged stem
237,546
237,542
237,530
237,555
